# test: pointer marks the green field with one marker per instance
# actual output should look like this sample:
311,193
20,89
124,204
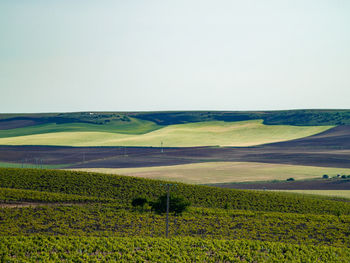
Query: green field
54,215
178,249
336,193
132,126
224,172
124,188
215,133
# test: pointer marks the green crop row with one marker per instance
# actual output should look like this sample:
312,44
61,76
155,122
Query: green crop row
123,189
135,249
20,195
109,220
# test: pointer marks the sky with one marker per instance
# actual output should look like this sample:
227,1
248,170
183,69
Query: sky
152,55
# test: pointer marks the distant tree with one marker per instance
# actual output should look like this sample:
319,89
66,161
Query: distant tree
325,176
343,176
177,204
290,179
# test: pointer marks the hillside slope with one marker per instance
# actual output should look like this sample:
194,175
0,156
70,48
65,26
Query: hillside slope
50,215
123,189
246,133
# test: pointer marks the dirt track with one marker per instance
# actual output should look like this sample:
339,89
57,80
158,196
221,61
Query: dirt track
327,149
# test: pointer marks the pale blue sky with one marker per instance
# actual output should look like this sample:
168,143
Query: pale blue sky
130,55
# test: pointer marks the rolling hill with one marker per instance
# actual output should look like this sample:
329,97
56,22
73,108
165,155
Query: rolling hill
153,142
245,133
225,172
50,215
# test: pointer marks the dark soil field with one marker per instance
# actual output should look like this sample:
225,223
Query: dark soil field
321,184
335,138
327,149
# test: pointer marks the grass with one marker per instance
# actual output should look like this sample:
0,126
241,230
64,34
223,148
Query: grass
336,193
213,133
134,126
224,172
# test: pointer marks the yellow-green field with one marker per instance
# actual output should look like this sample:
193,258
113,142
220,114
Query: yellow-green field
224,172
245,133
336,193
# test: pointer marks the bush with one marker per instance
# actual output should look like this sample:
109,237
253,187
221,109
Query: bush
325,176
177,204
139,202
343,176
290,179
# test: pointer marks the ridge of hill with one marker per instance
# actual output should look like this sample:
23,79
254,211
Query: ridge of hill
286,117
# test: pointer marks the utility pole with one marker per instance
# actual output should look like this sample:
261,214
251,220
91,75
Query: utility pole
167,186
167,211
161,146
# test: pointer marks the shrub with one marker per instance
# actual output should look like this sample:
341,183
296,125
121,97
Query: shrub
290,179
139,202
177,204
325,176
343,176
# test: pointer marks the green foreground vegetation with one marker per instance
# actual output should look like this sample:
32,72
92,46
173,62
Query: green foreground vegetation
224,172
215,133
79,217
184,249
123,189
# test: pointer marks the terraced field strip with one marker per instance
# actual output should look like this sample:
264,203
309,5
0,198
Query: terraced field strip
32,204
336,193
224,172
30,165
213,133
